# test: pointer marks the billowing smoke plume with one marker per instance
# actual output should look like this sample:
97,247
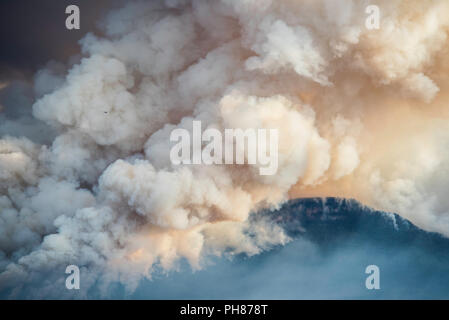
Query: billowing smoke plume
361,113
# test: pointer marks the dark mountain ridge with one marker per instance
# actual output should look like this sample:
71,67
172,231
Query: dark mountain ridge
329,220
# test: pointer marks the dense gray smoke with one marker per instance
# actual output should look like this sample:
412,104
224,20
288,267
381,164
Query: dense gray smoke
361,113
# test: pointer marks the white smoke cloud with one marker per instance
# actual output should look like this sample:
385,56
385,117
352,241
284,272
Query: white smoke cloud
360,113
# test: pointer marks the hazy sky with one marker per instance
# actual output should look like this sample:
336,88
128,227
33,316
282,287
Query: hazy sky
33,32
